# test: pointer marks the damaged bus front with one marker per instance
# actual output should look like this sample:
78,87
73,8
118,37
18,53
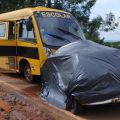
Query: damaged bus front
57,29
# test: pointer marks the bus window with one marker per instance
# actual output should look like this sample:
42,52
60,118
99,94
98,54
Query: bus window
11,30
2,29
26,35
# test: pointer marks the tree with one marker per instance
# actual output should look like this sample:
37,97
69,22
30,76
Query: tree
110,23
98,24
92,30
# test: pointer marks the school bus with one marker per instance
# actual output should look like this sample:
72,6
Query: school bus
30,35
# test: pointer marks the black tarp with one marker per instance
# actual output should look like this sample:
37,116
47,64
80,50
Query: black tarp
85,70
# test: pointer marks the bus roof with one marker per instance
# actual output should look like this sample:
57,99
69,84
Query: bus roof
23,13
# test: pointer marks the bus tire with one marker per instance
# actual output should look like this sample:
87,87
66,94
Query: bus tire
28,74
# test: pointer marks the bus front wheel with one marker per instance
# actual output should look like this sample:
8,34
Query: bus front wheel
28,73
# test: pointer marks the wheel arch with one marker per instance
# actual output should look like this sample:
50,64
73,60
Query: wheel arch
22,64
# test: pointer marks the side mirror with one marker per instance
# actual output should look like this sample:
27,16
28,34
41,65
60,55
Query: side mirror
29,24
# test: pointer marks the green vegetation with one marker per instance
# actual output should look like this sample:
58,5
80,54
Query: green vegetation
113,44
81,9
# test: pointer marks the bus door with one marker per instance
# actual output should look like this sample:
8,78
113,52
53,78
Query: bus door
8,46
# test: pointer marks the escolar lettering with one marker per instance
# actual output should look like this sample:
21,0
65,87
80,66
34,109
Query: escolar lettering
55,14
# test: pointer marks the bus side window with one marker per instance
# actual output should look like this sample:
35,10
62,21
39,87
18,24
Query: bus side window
11,31
24,34
2,29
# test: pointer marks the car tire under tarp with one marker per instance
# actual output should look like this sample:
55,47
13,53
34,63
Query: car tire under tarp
75,107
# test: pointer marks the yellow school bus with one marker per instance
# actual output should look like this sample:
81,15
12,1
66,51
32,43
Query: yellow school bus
28,36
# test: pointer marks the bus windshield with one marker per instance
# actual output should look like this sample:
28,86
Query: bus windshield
58,29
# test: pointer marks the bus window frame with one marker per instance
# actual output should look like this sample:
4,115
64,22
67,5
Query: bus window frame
15,31
23,40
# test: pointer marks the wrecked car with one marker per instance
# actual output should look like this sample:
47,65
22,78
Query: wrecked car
80,72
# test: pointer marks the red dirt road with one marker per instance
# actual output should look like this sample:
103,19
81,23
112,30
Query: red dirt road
20,101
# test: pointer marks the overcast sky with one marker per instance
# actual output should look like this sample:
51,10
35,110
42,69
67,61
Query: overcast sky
106,6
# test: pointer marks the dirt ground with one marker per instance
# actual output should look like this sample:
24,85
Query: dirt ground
19,101
16,107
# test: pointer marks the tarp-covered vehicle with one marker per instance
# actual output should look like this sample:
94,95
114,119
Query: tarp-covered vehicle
80,72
